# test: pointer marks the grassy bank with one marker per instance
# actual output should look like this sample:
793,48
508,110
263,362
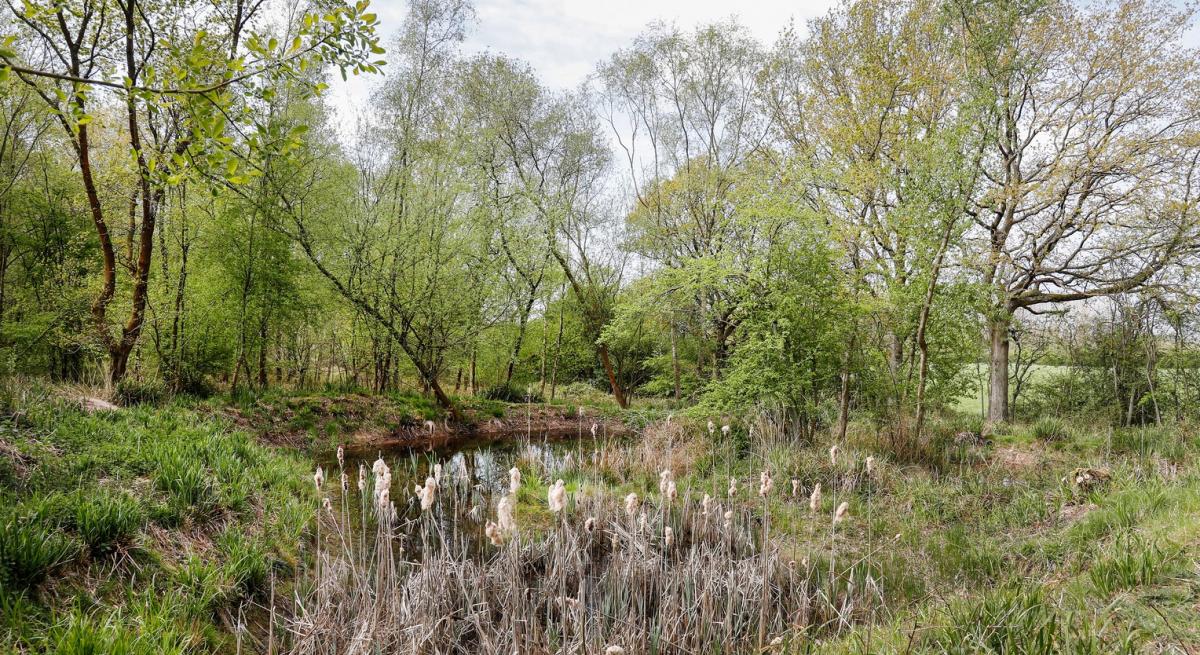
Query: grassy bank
143,530
1044,538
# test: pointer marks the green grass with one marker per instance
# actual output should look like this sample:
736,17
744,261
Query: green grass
133,531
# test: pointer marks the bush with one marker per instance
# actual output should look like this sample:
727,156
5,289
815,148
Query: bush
107,520
509,393
31,551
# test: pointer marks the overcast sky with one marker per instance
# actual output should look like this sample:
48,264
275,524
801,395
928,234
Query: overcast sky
564,39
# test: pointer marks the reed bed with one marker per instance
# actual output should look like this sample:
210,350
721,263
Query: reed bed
451,571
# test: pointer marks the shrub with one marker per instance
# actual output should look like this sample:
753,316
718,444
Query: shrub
107,520
29,551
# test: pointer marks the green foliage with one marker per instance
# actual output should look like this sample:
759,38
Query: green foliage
106,520
1049,429
30,551
1133,562
509,393
1018,619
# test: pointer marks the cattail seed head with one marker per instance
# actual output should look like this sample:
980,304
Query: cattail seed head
557,496
833,454
504,514
631,504
728,519
614,650
345,482
712,428
514,480
493,533
379,467
429,425
732,487
766,484
870,464
668,536
589,525
362,477
672,491
341,457
437,472
706,504
319,478
327,505
594,427
795,487
725,430
843,511
427,494
814,501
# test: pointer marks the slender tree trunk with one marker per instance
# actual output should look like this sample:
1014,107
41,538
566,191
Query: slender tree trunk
618,392
675,360
843,420
998,370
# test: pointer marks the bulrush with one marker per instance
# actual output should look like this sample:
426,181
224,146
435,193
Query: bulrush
614,650
706,504
594,427
345,482
724,430
341,455
833,453
379,467
765,484
728,519
795,487
327,505
631,504
504,514
319,478
870,464
429,426
814,501
362,477
668,537
589,526
842,512
672,491
557,496
427,494
732,487
384,499
663,479
437,472
712,428
514,480
493,533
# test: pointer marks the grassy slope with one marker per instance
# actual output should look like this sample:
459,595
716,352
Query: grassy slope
138,531
980,548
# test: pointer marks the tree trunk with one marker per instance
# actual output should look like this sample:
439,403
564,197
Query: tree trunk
998,371
843,420
675,361
618,392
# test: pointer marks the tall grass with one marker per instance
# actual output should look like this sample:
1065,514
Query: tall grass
667,575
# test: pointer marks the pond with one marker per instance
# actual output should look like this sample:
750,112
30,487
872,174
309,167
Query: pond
471,477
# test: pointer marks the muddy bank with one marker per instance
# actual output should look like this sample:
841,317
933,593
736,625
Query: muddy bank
364,422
